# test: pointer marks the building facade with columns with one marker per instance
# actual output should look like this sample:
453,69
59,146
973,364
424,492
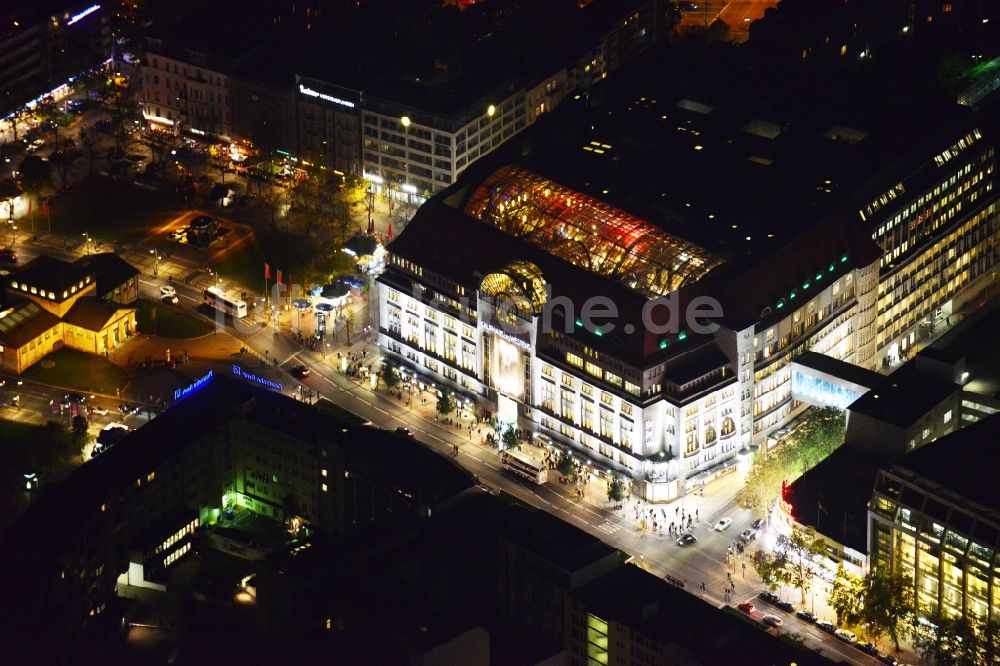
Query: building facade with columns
859,263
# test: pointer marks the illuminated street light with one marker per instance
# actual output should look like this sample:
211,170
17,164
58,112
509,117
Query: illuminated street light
405,120
491,110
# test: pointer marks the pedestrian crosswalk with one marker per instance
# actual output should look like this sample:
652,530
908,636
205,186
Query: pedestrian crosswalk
609,527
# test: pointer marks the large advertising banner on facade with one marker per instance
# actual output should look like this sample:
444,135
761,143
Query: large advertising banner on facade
508,368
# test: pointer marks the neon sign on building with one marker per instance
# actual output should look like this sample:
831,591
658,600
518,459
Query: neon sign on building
193,387
82,15
249,376
323,96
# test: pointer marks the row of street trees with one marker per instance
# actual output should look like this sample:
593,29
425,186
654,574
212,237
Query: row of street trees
883,604
820,433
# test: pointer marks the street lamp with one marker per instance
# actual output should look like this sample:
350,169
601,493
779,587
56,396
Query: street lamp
86,241
491,110
156,262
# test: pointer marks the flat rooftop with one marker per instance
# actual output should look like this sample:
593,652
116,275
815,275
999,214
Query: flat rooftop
718,148
842,485
962,462
904,397
840,369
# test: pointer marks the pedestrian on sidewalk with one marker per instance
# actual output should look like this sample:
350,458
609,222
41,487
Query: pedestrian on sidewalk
703,586
696,514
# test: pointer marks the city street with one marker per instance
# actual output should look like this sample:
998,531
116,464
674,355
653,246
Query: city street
702,562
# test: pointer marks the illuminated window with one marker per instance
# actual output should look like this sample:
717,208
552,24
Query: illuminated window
594,369
322,472
324,487
573,359
947,416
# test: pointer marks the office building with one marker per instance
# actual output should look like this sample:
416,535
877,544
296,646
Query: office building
934,518
43,44
643,192
411,114
491,581
225,448
418,148
188,74
919,403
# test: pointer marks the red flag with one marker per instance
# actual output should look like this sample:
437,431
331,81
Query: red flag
267,271
390,232
279,276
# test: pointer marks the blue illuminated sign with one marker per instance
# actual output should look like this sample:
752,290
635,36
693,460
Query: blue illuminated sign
249,376
191,388
82,15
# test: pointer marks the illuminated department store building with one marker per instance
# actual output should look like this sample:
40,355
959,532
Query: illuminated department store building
881,261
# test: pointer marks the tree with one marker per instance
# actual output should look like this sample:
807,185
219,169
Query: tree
509,438
88,141
819,434
762,487
616,490
845,596
328,266
565,464
445,405
80,434
33,175
801,546
64,159
391,377
989,641
770,568
888,604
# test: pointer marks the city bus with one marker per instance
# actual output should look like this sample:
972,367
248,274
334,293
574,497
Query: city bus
231,306
524,466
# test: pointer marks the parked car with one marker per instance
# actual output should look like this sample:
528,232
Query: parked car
868,648
404,431
723,524
759,523
786,606
35,145
748,535
888,659
101,411
747,607
768,596
686,540
846,636
771,620
168,291
75,398
806,616
828,627
169,300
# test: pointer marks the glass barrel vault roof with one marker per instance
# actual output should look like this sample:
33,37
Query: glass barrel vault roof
588,232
